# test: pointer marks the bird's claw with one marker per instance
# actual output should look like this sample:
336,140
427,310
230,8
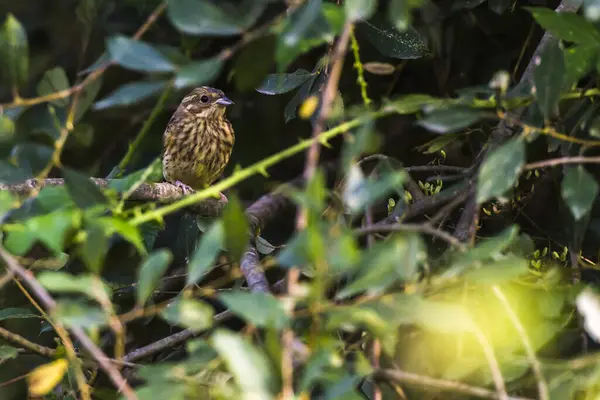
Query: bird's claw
184,188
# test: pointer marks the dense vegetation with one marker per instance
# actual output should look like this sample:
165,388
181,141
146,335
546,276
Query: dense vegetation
411,202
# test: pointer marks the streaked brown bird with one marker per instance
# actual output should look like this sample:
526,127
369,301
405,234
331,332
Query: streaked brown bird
198,140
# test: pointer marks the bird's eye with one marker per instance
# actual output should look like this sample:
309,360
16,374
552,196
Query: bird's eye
204,99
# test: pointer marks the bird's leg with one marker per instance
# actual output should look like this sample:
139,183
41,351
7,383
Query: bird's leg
184,188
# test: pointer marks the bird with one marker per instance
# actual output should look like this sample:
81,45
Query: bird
198,140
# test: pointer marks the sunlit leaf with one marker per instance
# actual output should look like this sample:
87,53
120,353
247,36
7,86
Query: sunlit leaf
579,190
198,73
502,269
94,248
76,314
63,282
45,377
451,119
250,367
235,225
7,128
130,93
206,252
392,43
259,309
189,313
359,9
127,231
83,191
150,272
54,80
548,78
137,55
500,170
14,52
282,83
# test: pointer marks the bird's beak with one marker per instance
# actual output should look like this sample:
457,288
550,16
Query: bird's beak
224,101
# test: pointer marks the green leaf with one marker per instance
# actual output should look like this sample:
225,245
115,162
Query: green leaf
54,80
249,366
548,78
442,317
290,109
381,268
248,73
87,97
359,9
189,313
500,170
499,6
94,248
14,52
392,43
137,55
359,192
495,272
579,190
259,309
7,353
130,93
149,274
79,315
283,83
88,285
82,190
51,229
128,232
301,21
451,119
201,17
412,103
206,252
235,225
399,14
566,26
7,129
16,313
198,73
579,61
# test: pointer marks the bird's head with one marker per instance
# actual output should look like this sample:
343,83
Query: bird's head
206,102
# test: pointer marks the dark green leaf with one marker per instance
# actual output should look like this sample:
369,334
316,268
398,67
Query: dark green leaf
14,52
302,93
248,73
88,285
130,93
548,78
301,21
198,73
137,55
359,9
283,83
52,228
579,189
413,103
79,315
499,6
32,156
236,228
566,26
206,252
579,61
451,119
87,97
54,80
500,170
392,43
260,309
399,14
189,313
152,269
7,129
201,17
94,248
249,366
360,192
16,313
82,190
465,4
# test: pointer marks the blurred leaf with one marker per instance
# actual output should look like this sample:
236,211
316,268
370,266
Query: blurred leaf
7,129
88,285
32,156
579,61
451,119
14,52
359,9
548,78
53,198
51,229
7,353
136,55
206,252
94,248
54,80
466,4
150,272
42,379
201,17
566,26
579,190
363,141
392,43
499,6
495,272
235,225
189,313
399,14
500,170
19,242
130,93
360,192
76,314
87,97
263,246
379,68
198,73
128,232
16,313
7,201
437,144
302,93
82,190
248,73
591,9
412,103
300,22
248,364
343,253
259,309
442,317
283,83
385,263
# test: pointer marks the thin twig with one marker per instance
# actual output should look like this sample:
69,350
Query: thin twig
27,344
417,228
561,161
496,372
